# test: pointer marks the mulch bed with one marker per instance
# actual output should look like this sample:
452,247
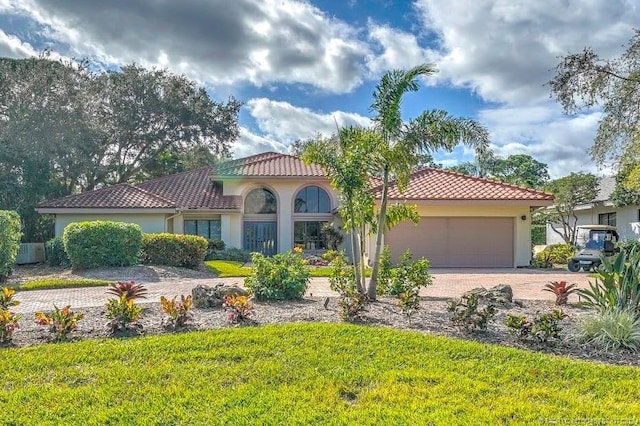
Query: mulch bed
432,318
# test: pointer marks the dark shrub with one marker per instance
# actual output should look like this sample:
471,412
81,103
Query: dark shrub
55,254
538,235
10,234
186,251
233,254
213,247
102,243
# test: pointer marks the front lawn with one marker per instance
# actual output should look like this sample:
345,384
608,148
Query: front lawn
61,283
228,268
307,374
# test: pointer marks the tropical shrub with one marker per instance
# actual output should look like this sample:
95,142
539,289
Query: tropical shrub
561,289
61,322
213,246
233,254
560,253
384,272
122,313
542,260
629,246
351,302
240,308
467,316
330,255
284,276
127,289
102,243
611,329
10,234
187,251
6,298
178,312
538,235
616,286
55,254
542,327
8,323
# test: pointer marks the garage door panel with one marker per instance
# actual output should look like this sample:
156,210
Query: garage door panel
456,241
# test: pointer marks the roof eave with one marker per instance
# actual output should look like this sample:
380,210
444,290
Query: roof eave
101,210
442,202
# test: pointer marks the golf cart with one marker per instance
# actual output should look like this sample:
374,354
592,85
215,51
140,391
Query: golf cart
600,243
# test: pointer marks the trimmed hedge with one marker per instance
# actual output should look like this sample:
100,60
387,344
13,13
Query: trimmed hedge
186,251
102,243
233,254
55,254
10,234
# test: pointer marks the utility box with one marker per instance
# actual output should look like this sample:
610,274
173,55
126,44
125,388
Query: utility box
30,253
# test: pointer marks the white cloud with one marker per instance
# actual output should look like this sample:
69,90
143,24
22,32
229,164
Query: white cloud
12,47
285,122
218,41
399,49
505,50
249,143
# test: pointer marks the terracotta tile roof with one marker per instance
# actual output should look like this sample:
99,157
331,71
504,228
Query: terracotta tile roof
435,184
192,189
271,164
122,195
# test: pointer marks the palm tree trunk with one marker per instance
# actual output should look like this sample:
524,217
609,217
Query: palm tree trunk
382,218
355,253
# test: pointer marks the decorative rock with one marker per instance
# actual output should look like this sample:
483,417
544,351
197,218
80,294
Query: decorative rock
205,296
502,294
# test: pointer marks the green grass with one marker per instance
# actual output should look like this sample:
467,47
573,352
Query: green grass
228,268
308,374
61,283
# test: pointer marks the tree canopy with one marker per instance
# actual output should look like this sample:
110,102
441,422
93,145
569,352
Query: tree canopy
65,129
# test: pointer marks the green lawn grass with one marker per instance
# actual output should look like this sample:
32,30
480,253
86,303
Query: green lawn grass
61,283
308,374
228,268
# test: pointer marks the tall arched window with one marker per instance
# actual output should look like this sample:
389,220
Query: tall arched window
312,199
312,211
260,201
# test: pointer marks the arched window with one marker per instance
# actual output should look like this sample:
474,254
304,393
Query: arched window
260,201
312,199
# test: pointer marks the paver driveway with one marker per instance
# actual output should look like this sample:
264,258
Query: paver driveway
447,283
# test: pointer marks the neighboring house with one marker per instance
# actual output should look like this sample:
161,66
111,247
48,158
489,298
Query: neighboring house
272,202
602,212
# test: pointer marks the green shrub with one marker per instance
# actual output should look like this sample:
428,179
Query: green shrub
213,246
10,234
342,280
102,243
55,254
61,322
467,316
384,272
542,328
630,246
616,286
330,255
538,235
556,253
233,254
611,329
284,276
187,251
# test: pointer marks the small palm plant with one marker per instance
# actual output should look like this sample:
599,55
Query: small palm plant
562,290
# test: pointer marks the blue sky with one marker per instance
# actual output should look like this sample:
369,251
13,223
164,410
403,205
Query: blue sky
298,65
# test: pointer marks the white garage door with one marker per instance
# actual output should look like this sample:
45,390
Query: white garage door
456,241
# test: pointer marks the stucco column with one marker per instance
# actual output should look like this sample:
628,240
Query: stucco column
285,219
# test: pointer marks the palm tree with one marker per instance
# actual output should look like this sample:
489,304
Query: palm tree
403,143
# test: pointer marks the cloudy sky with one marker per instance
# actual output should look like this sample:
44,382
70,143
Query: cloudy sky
300,65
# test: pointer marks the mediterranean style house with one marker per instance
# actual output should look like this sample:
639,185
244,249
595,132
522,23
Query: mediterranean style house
271,202
601,211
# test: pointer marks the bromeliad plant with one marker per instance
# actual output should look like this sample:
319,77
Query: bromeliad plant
61,322
240,308
179,312
128,289
561,289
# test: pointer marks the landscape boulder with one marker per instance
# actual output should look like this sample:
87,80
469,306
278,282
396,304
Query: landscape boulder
501,294
205,296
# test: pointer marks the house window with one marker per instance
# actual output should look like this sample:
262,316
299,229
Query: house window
260,201
308,235
607,219
210,229
312,199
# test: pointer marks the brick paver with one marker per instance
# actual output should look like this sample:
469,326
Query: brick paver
527,284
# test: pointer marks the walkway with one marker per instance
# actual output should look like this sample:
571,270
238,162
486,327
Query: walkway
527,284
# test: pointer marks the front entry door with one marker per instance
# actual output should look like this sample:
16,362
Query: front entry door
260,237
